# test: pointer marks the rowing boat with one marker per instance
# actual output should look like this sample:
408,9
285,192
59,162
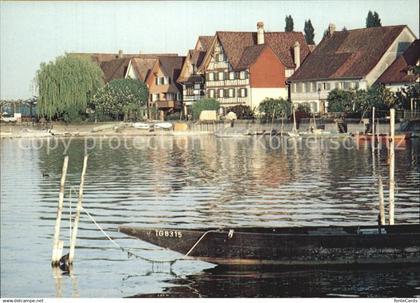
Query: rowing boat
291,246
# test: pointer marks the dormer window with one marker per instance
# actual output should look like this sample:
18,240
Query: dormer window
220,57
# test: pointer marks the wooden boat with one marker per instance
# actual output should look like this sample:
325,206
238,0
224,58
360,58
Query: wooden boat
291,246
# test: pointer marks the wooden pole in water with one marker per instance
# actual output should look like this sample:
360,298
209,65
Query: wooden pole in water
78,210
391,167
381,201
56,253
373,133
294,119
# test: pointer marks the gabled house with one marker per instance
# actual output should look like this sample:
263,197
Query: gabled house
190,78
164,92
401,72
349,59
244,68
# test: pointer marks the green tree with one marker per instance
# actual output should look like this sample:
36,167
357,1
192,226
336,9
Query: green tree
340,101
309,32
120,98
66,85
289,24
204,104
274,108
373,20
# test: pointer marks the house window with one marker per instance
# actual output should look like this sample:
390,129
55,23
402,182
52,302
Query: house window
356,85
346,85
243,92
293,87
231,92
313,87
211,93
210,76
166,80
221,93
221,76
307,87
232,76
299,87
155,97
220,58
319,87
327,86
337,85
243,75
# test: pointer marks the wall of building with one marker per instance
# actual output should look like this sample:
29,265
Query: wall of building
267,71
400,44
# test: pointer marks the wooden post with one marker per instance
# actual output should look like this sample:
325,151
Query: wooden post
391,167
294,119
381,201
56,254
373,132
78,209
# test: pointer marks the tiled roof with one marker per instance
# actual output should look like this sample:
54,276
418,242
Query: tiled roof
114,69
250,54
205,42
347,54
171,66
235,43
142,66
104,57
397,72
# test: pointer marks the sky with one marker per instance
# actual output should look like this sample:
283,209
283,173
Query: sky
35,32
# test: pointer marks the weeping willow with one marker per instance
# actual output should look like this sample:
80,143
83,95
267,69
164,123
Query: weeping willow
66,85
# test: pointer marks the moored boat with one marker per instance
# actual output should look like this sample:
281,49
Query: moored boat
291,246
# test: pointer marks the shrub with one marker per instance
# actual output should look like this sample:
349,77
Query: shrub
204,104
242,111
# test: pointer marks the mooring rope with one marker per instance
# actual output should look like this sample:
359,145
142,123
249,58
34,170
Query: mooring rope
131,253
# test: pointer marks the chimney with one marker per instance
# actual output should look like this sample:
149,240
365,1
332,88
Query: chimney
260,33
120,54
296,54
331,29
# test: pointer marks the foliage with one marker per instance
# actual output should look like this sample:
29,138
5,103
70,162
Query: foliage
340,100
242,111
373,20
407,95
274,108
303,108
173,116
361,101
121,97
289,24
66,86
309,32
204,104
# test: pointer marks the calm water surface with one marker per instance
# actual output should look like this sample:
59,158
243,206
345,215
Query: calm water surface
192,182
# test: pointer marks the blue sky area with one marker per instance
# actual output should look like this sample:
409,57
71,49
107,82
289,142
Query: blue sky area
32,32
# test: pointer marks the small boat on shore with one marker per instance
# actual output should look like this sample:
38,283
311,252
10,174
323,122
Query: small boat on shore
291,246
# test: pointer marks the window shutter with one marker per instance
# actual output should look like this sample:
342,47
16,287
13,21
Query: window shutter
226,93
233,95
207,76
215,76
245,92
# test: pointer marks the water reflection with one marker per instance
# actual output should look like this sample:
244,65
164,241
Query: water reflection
309,283
187,182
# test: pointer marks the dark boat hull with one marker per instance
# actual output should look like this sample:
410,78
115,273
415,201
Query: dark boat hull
308,246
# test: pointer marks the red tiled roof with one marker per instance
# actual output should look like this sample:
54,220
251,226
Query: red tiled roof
250,54
235,43
105,57
347,54
397,72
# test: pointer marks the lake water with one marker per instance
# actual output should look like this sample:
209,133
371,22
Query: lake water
192,182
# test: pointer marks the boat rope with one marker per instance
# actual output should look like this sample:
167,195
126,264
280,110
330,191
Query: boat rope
130,253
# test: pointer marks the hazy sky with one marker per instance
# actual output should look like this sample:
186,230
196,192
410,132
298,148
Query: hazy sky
32,33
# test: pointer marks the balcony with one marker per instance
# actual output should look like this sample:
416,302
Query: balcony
168,104
227,82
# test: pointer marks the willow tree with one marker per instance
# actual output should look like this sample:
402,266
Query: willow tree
66,85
